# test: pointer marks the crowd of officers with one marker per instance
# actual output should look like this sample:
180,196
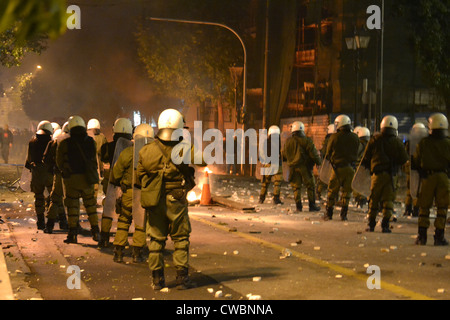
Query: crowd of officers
65,162
382,155
72,161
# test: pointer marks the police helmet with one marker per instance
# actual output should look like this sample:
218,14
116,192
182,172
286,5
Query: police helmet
169,120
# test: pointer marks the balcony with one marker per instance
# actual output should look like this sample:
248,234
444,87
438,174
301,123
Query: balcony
305,56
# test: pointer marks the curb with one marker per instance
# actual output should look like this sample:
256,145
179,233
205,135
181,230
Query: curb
6,292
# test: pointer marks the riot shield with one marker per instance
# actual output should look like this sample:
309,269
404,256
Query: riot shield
283,137
361,181
325,171
113,192
258,170
25,180
137,210
264,166
414,181
262,155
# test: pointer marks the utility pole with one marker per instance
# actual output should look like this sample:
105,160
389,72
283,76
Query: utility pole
266,107
244,93
381,63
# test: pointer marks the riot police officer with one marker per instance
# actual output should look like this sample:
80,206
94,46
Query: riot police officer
94,130
123,128
122,175
164,186
301,155
342,152
41,174
76,159
56,210
276,177
411,208
384,155
432,160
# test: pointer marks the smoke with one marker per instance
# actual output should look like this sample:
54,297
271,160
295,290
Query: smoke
94,72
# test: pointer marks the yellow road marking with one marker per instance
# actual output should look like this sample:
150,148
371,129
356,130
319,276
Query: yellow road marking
341,270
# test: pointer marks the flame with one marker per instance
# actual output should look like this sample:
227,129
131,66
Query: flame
208,170
192,196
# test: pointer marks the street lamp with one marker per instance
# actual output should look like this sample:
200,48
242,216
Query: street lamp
244,100
356,43
244,93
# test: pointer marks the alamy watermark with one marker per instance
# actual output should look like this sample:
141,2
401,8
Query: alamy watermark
234,148
74,20
374,281
74,280
372,22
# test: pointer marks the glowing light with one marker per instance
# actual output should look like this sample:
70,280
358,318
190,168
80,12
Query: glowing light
208,170
192,196
137,118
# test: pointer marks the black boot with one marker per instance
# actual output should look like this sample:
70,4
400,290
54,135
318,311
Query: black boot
183,281
299,206
362,202
261,199
72,236
158,281
313,207
276,200
415,212
118,254
329,214
421,239
439,239
344,211
63,225
137,255
385,226
372,224
40,221
95,231
104,240
408,210
49,226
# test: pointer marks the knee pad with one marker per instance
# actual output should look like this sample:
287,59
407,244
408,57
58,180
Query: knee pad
181,245
156,246
72,202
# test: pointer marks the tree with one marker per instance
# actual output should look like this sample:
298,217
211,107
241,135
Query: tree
11,53
192,62
431,24
26,24
186,65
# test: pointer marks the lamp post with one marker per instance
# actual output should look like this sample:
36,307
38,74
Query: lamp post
356,43
244,93
244,100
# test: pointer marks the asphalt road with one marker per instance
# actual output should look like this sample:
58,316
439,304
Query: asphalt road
271,253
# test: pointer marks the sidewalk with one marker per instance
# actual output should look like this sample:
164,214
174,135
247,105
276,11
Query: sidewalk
6,292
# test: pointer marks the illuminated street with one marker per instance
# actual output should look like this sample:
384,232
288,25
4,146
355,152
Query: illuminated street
289,150
269,254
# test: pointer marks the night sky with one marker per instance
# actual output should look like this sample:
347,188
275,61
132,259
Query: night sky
94,71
